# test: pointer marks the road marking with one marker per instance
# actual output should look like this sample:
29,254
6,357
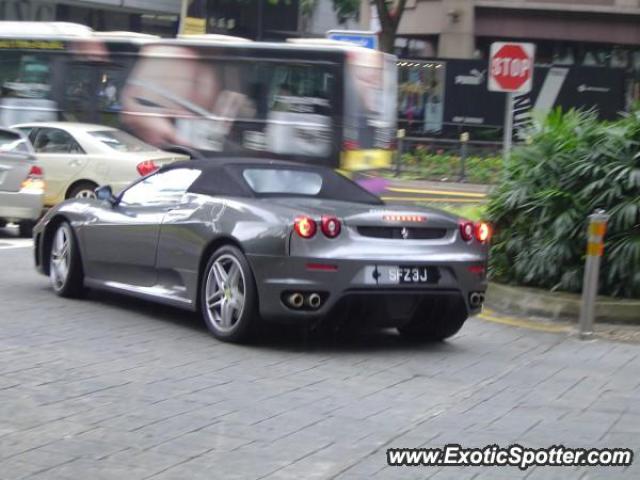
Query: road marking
432,200
491,316
9,243
437,192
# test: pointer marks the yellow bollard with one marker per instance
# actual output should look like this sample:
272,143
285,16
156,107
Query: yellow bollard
595,249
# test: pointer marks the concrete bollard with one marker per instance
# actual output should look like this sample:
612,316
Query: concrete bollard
595,248
464,141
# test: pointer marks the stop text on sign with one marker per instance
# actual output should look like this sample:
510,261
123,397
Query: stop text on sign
511,67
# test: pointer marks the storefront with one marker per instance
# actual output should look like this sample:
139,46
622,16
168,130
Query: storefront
446,97
255,20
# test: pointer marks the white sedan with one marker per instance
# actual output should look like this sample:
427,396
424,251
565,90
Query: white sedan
78,157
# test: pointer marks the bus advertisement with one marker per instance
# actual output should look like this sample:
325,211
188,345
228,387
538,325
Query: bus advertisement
314,101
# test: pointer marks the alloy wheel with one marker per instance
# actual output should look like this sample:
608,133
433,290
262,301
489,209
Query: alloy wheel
60,258
225,292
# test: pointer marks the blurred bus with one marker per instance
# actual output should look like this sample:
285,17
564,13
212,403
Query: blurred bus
314,101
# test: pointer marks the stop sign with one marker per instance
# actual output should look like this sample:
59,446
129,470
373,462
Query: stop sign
511,67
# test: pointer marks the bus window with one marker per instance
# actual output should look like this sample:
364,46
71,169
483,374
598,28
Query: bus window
111,81
79,93
26,87
183,96
25,75
299,116
370,109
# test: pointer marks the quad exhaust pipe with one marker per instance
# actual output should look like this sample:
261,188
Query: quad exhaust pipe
295,300
298,300
314,300
476,299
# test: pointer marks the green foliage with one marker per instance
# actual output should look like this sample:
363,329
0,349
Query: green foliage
346,9
421,164
307,6
573,165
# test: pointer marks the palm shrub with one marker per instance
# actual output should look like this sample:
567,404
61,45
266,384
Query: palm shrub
573,165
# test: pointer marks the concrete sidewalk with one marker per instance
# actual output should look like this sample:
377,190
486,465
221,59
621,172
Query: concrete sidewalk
440,186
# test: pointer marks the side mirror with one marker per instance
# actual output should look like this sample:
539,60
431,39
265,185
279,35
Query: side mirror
105,193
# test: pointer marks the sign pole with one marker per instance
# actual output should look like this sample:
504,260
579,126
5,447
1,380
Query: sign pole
507,137
510,71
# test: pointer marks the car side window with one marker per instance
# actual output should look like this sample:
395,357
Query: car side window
54,140
163,188
26,130
33,133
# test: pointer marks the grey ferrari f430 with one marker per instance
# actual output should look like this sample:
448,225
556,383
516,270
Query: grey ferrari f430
249,240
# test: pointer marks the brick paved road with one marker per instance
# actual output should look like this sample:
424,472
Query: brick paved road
120,389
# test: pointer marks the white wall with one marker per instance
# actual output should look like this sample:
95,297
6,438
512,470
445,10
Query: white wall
324,18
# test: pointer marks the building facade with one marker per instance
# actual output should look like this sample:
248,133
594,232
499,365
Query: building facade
159,17
584,32
254,19
268,20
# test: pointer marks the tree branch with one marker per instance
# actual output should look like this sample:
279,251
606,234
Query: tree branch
397,13
383,14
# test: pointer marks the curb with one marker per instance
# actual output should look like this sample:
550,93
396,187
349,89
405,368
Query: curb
433,184
558,306
538,324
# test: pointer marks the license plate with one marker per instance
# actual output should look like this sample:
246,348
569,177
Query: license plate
407,274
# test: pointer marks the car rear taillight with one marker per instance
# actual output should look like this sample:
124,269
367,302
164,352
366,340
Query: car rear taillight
305,226
482,232
466,231
146,167
330,226
34,182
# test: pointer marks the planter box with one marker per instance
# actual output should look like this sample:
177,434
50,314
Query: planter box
558,305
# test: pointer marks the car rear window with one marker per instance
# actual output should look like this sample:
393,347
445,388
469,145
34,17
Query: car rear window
122,141
12,142
289,182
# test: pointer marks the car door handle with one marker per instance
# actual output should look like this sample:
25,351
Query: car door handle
178,212
75,163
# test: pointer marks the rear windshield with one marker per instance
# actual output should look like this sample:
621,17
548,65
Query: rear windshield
293,182
122,141
12,142
281,181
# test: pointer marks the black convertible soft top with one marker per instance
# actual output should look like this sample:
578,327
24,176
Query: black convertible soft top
223,177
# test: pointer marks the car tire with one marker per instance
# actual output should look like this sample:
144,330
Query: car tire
228,295
25,228
84,189
65,264
435,320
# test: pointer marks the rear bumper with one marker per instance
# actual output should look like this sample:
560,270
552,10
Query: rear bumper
17,206
277,277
